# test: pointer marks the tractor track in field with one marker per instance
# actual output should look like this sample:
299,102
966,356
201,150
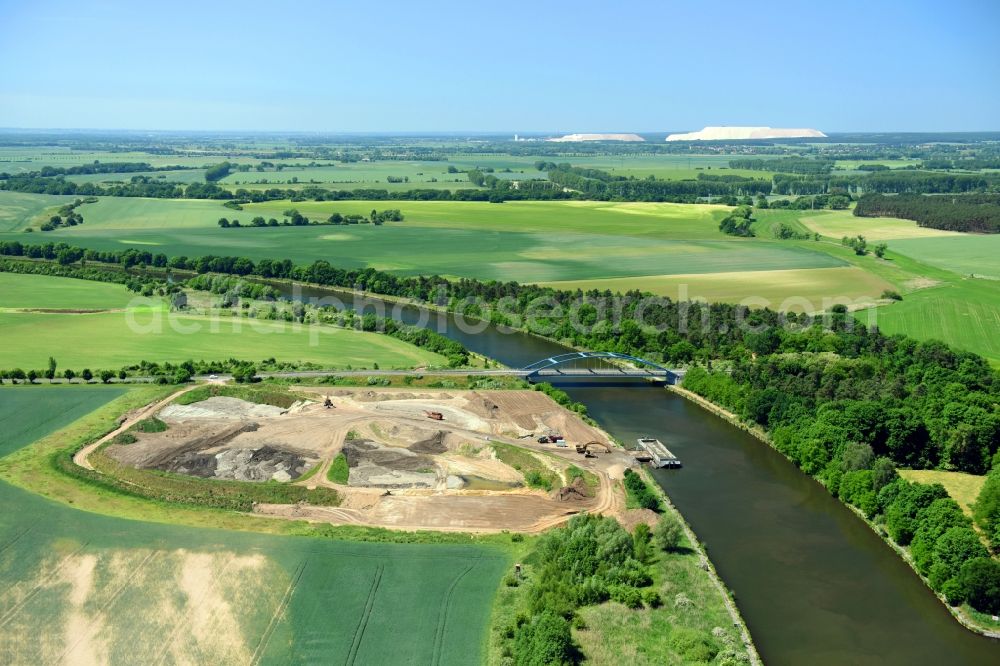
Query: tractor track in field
186,619
279,613
99,615
10,614
15,539
359,632
443,615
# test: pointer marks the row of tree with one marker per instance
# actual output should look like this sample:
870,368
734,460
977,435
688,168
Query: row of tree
805,165
596,184
296,219
895,181
947,399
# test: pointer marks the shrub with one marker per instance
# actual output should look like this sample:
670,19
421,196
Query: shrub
125,438
546,640
692,645
339,471
152,424
668,532
629,596
639,492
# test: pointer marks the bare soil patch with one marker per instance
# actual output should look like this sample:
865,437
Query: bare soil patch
407,468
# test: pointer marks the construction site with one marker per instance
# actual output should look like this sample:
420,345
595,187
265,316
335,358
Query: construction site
454,460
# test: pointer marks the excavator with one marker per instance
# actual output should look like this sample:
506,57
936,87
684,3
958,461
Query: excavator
588,449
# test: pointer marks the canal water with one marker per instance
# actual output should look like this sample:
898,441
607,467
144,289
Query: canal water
813,582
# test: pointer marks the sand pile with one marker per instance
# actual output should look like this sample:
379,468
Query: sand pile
220,407
742,133
263,464
596,137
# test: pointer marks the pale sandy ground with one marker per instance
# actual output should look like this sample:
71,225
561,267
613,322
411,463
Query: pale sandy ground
430,459
189,605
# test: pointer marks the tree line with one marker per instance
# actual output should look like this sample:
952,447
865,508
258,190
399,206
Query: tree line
895,181
804,165
969,212
596,184
293,218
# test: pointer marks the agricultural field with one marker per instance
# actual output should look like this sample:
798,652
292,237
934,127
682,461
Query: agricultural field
579,244
668,167
806,290
44,292
17,160
839,223
964,313
355,175
126,329
113,590
964,254
527,241
18,209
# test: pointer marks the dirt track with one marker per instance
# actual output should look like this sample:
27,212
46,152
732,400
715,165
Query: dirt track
407,471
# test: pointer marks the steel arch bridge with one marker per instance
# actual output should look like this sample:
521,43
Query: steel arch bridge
552,366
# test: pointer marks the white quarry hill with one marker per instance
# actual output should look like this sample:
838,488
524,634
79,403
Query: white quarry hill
598,137
737,133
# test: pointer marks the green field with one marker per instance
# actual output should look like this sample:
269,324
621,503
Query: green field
46,292
807,290
965,314
17,209
839,223
89,588
965,254
136,328
173,176
355,175
112,342
527,241
589,245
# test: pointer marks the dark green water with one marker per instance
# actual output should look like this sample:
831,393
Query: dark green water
813,582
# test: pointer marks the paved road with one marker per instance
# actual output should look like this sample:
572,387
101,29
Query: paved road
501,372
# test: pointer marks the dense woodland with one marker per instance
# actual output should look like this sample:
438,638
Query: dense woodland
969,212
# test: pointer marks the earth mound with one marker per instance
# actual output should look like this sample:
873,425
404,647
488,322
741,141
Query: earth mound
741,133
596,137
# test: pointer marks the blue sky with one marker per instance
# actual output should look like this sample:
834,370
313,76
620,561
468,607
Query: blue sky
836,65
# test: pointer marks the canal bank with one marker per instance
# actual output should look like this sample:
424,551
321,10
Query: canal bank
814,584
